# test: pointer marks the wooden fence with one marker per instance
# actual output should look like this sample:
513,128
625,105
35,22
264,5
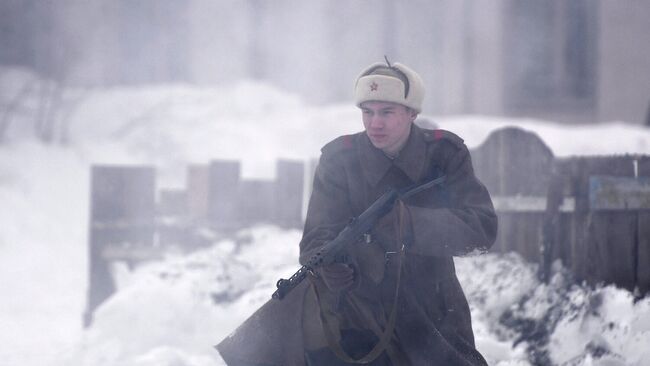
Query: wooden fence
592,213
128,223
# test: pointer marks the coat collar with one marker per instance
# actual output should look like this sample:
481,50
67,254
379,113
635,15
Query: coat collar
410,159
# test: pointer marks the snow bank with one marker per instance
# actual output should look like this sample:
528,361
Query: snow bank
560,323
174,311
43,225
178,308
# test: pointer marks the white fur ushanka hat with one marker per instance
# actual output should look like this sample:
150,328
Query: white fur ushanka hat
384,88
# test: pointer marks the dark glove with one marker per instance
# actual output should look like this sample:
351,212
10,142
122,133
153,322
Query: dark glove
337,276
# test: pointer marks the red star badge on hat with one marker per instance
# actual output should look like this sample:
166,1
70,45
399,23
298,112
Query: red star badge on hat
373,86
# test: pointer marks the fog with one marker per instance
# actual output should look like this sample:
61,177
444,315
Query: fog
551,59
156,94
313,47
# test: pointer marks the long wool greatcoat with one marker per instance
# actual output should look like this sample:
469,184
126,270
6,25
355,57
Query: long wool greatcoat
433,324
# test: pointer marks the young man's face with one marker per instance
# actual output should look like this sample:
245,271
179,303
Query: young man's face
387,124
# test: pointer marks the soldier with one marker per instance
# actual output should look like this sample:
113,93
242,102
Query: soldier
395,300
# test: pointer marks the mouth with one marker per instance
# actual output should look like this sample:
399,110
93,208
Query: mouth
376,137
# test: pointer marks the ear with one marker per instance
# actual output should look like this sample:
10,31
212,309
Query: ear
414,114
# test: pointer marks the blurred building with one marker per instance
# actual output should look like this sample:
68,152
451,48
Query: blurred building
567,60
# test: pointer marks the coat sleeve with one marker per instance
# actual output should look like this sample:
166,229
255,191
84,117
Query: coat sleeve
469,223
329,206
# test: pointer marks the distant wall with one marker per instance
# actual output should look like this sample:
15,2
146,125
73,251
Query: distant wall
623,61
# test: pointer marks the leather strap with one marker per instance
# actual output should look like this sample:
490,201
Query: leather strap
328,318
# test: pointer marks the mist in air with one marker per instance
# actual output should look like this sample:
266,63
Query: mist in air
557,60
156,157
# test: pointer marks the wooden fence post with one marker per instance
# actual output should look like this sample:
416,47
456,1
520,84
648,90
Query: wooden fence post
603,249
643,248
223,193
197,182
288,195
642,263
513,161
121,220
515,166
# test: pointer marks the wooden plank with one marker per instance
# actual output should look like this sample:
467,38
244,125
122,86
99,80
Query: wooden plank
576,172
562,249
223,193
619,193
122,193
288,195
643,253
130,254
122,214
197,185
611,248
522,203
515,165
513,161
579,170
550,229
122,206
520,232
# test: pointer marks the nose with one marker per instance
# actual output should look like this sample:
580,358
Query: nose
376,122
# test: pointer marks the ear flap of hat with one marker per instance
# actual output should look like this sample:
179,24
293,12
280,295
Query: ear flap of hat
416,92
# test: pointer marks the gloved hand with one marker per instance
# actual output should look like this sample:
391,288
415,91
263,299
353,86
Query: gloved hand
337,276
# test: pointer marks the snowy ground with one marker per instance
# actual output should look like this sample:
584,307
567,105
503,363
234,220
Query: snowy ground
172,312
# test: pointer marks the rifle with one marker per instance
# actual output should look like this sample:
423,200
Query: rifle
357,227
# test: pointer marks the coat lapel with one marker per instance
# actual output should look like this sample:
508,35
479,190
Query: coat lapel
411,160
374,163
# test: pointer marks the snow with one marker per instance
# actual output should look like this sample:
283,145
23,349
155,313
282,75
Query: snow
173,311
185,304
42,256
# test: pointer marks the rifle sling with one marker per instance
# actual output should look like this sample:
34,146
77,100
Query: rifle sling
384,336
